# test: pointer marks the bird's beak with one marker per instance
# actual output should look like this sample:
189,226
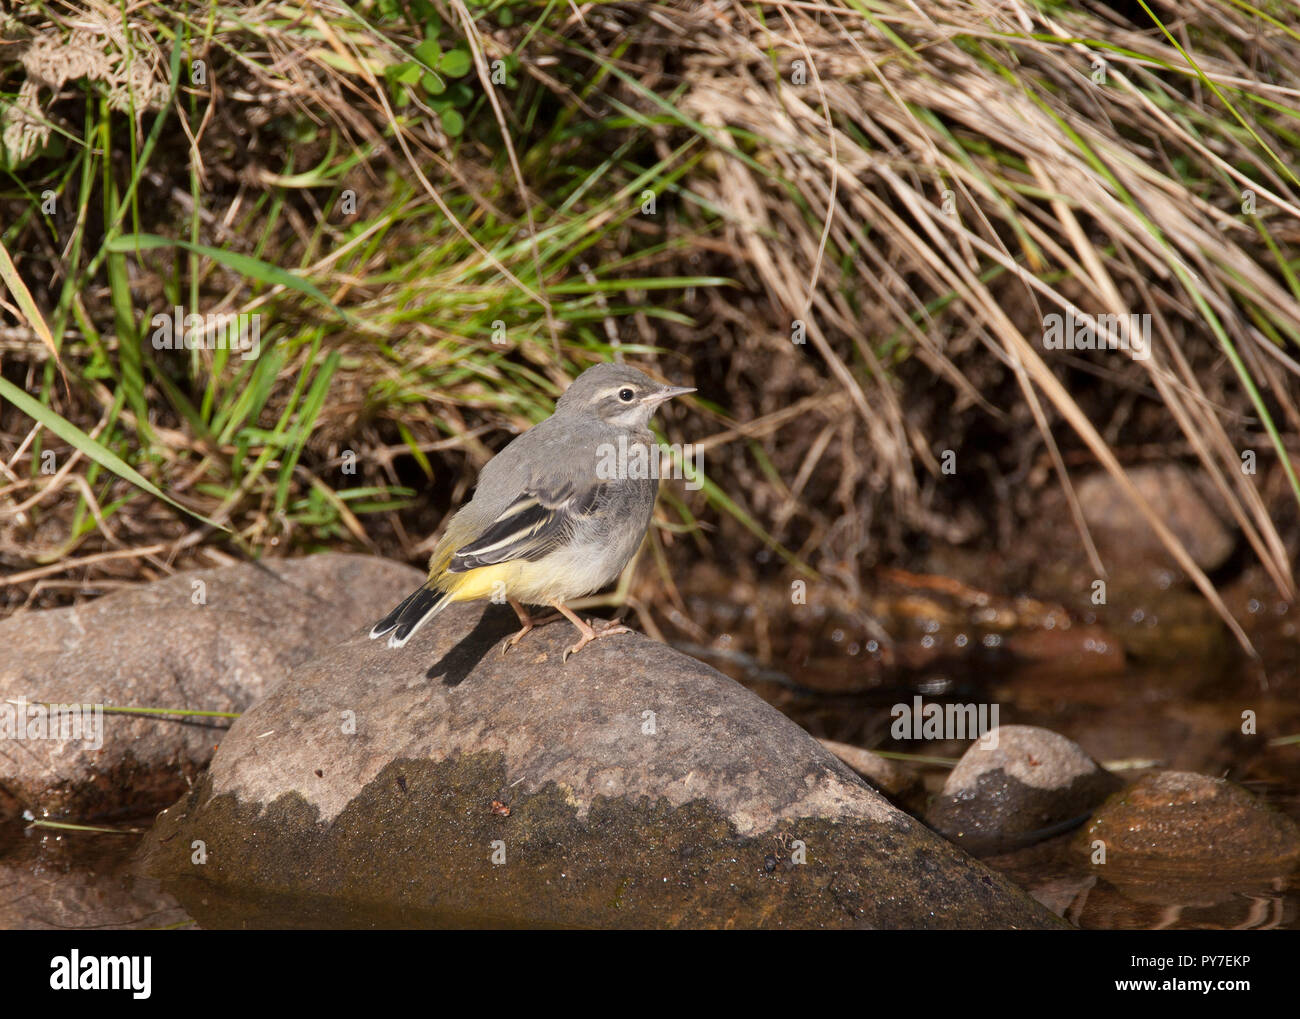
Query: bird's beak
654,399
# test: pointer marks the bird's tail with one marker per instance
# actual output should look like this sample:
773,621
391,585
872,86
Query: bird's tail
416,609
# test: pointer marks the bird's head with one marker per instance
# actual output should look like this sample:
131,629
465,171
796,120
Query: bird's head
617,395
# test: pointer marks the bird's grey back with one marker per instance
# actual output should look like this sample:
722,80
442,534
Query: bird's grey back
563,449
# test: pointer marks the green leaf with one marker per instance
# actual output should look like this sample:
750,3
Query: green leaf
453,123
403,74
303,427
455,64
429,52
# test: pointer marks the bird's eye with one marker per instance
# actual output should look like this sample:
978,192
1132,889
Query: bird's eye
626,395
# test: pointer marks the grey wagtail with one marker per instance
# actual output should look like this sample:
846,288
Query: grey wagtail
546,525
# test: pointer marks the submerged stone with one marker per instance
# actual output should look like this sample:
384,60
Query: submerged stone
1176,824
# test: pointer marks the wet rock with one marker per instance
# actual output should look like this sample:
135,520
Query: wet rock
1179,827
1185,503
211,640
1018,785
1091,897
444,784
896,780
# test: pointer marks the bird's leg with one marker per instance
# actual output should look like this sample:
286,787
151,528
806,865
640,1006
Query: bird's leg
526,621
588,633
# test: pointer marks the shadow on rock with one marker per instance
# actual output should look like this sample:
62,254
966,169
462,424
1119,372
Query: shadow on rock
456,665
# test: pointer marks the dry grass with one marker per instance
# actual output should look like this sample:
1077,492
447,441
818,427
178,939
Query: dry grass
1011,160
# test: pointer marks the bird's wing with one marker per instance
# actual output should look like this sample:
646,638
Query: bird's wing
530,527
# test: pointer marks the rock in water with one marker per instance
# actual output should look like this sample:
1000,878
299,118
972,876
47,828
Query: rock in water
1018,785
442,784
211,640
1177,822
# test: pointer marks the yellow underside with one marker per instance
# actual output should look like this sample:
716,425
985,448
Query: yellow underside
566,573
481,583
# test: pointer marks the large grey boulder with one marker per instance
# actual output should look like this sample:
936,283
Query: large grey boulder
443,784
210,640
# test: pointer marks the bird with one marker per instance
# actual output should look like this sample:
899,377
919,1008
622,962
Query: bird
556,514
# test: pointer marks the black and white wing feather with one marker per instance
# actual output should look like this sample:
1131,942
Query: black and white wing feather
531,527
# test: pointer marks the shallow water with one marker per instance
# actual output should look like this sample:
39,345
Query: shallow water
60,880
1181,709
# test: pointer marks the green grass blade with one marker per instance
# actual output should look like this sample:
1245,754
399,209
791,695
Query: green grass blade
98,452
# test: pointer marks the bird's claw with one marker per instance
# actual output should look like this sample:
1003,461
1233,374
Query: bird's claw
607,629
514,640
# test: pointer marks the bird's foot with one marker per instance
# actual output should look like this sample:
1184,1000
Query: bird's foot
528,623
603,628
